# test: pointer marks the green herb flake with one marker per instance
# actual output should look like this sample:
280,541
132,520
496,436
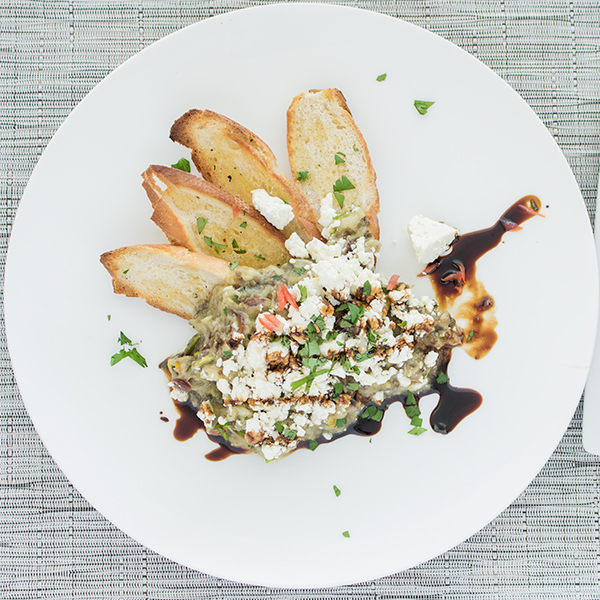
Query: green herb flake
340,198
108,317
337,491
346,534
234,264
243,225
303,293
290,434
225,311
423,106
260,257
183,164
342,214
382,77
312,445
340,423
130,353
208,240
367,288
280,428
302,175
340,158
470,336
125,271
534,205
227,353
442,378
343,184
200,223
123,339
417,430
299,272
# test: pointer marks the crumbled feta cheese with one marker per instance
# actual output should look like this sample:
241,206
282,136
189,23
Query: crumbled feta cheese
273,209
431,358
326,219
430,239
296,247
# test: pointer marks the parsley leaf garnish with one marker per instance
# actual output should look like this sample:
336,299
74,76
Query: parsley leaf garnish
244,225
234,264
200,222
260,256
346,534
312,445
337,490
183,164
127,352
382,77
340,198
442,377
302,175
367,288
422,106
470,336
343,184
340,158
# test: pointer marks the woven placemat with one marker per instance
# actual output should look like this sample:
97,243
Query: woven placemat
52,543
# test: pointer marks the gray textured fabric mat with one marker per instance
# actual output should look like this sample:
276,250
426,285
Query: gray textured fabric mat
52,543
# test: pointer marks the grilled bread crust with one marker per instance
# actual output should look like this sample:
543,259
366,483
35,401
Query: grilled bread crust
320,127
202,217
238,161
167,277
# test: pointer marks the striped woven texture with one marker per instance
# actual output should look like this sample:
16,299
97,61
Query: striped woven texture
546,545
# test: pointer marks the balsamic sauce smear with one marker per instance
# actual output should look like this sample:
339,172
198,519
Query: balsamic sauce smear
450,276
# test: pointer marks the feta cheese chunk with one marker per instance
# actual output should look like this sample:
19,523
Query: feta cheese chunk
296,247
273,209
430,239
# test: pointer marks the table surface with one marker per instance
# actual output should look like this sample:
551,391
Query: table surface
53,544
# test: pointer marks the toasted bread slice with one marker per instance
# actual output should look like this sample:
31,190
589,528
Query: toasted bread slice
238,161
167,277
321,128
201,217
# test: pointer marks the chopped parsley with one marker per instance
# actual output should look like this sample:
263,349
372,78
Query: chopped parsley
337,490
234,264
183,164
367,288
340,158
243,225
382,77
372,413
470,336
312,445
346,534
260,256
422,106
343,184
340,198
442,377
299,271
125,271
201,222
302,175
127,350
303,293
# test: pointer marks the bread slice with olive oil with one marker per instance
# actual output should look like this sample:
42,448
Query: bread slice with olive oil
238,161
328,152
167,277
202,217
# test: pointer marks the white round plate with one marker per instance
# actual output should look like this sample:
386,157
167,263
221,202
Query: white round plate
404,499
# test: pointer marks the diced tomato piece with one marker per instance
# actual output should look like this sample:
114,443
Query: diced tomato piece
289,297
392,282
271,322
236,211
281,299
